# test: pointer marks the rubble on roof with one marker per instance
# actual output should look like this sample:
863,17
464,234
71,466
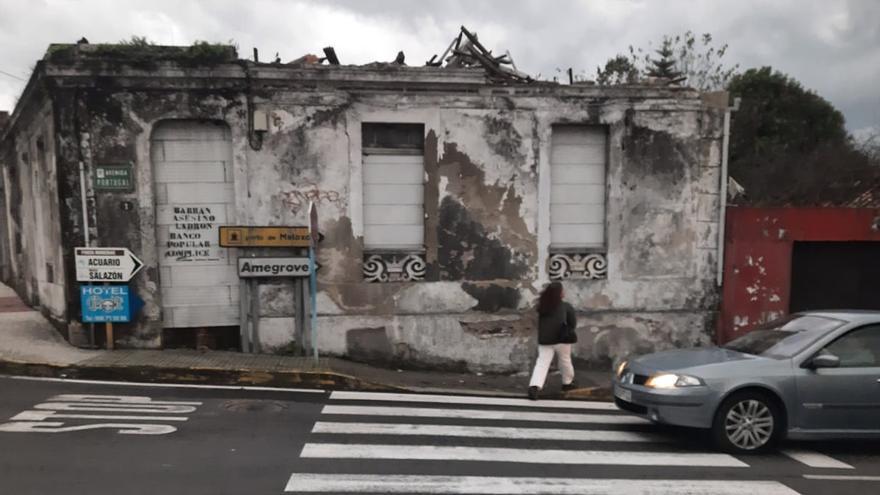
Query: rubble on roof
465,50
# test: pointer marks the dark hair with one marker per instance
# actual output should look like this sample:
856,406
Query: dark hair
550,298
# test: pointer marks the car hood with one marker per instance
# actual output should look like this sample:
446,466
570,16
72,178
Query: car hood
678,360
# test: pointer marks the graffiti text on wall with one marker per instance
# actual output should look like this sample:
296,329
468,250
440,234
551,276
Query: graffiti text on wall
299,198
192,235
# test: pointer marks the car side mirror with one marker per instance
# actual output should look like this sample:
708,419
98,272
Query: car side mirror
824,361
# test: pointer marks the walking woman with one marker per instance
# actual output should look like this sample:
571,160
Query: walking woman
556,333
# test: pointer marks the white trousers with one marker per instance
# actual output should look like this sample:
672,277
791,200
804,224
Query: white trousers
545,357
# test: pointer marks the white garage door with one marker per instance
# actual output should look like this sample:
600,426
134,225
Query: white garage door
192,167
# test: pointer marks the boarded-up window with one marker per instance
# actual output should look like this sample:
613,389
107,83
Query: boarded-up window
578,164
393,186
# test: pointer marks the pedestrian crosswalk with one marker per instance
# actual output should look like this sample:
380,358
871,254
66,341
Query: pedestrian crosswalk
436,444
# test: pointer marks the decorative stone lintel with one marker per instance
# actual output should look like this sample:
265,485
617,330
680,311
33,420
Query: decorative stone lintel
578,265
394,267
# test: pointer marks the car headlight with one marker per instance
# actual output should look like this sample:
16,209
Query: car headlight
621,367
670,380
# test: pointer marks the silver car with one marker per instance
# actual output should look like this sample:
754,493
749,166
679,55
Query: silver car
808,376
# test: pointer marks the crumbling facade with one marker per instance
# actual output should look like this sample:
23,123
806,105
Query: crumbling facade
446,200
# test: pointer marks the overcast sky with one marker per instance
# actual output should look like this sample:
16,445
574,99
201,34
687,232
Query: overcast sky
831,46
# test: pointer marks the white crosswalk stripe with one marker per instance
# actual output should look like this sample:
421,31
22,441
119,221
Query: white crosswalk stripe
384,429
531,456
484,432
481,401
816,460
427,412
478,485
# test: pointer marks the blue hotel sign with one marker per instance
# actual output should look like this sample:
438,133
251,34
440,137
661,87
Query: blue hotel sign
105,303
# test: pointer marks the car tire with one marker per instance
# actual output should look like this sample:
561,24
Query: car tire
748,422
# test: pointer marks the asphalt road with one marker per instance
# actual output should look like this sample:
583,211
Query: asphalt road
86,438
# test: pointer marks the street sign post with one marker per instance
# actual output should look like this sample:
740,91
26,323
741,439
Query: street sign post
106,264
273,267
314,237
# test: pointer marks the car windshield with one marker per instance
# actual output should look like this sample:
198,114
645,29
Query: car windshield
784,338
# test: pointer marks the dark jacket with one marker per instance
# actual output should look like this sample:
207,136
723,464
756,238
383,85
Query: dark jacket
550,324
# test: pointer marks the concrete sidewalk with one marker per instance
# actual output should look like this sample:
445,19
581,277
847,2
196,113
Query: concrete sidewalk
30,345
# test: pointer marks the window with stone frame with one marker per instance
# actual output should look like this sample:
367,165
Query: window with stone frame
394,210
578,171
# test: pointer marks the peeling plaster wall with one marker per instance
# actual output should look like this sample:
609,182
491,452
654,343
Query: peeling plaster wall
486,205
484,248
33,234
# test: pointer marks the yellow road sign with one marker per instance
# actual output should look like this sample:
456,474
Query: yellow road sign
264,236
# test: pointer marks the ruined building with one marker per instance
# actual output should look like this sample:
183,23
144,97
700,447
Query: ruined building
447,198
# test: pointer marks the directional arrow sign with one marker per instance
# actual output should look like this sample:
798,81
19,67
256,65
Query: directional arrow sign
106,265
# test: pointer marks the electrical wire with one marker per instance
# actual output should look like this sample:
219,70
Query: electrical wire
12,76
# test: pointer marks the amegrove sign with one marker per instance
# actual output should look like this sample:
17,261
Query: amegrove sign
105,264
273,267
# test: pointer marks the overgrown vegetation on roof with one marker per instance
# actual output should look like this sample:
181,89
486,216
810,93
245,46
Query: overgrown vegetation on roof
139,52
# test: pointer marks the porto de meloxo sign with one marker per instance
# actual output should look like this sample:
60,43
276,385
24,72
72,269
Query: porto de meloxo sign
105,264
273,267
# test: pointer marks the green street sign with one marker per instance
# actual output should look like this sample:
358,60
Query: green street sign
113,178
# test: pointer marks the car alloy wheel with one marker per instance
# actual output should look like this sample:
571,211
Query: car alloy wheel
749,424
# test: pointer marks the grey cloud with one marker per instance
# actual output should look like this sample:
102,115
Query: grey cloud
831,46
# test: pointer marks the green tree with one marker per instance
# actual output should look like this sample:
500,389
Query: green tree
789,145
700,60
617,70
664,66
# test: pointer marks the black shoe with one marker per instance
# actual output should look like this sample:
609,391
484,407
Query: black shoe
533,393
570,386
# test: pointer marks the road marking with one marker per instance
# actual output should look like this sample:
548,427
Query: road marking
831,477
51,427
34,421
530,456
43,415
484,414
816,460
485,485
484,432
120,399
73,406
464,399
166,385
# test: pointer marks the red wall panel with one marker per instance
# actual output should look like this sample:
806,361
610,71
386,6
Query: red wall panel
757,257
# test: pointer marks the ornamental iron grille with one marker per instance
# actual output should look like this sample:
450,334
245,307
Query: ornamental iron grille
394,267
590,266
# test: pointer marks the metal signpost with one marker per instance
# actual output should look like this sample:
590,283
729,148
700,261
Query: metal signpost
297,239
108,303
314,237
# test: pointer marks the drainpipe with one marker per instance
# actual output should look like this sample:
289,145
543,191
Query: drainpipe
722,214
85,209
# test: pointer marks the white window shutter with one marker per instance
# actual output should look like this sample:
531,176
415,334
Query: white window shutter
394,194
578,166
